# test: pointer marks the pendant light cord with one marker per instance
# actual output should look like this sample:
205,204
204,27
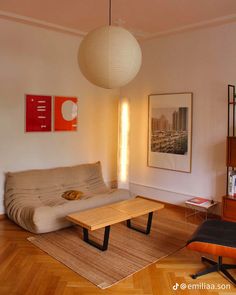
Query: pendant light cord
109,12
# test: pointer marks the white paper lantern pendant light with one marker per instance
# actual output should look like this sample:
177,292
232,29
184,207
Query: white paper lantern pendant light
110,56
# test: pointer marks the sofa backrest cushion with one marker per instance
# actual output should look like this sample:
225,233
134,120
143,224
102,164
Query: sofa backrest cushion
85,177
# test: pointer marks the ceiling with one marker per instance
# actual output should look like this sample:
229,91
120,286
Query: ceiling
145,18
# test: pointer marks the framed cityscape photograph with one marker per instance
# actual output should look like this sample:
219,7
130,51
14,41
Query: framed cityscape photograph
170,131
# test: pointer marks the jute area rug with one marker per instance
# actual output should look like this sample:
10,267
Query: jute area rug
128,252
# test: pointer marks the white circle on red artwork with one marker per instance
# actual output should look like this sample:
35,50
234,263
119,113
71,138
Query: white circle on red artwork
69,110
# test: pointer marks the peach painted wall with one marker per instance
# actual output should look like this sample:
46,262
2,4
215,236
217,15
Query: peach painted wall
39,61
203,62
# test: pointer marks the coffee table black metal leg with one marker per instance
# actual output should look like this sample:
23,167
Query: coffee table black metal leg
102,247
148,228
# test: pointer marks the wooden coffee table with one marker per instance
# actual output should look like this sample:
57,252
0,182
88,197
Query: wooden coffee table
104,217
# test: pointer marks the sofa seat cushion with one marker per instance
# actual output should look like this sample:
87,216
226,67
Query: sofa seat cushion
48,219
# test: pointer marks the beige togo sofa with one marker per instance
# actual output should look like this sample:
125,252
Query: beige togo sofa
33,199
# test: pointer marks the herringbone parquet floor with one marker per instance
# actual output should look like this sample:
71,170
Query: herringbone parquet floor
26,270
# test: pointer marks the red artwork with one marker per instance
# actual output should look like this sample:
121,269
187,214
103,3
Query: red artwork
38,113
65,113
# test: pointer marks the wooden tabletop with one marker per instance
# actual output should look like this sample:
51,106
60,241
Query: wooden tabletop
100,217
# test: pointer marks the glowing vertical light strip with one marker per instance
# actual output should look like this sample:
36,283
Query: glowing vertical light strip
123,155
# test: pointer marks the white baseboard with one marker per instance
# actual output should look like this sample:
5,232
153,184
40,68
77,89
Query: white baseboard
167,196
160,194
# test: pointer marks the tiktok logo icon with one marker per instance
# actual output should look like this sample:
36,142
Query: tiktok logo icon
175,287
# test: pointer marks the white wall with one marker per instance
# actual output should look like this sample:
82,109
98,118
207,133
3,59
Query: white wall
202,62
39,61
